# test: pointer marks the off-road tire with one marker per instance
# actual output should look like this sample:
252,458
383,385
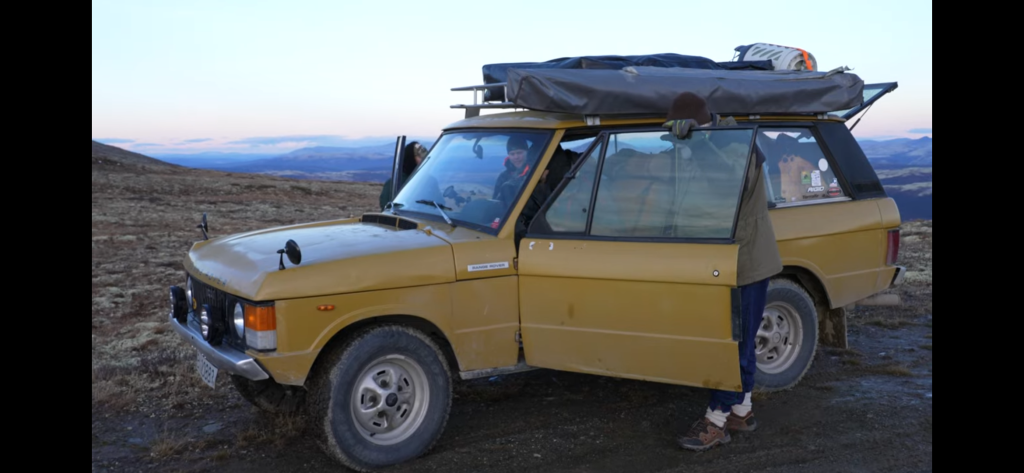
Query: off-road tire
335,377
786,291
270,396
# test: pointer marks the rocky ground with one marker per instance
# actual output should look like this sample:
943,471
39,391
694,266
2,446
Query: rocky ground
867,408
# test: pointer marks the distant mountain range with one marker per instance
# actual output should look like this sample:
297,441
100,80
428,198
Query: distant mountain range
112,156
902,164
899,152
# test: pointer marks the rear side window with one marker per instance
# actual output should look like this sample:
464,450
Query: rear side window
797,169
860,177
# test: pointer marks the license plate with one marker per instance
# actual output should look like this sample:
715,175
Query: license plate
206,370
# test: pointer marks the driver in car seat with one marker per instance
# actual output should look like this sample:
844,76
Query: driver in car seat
515,165
560,164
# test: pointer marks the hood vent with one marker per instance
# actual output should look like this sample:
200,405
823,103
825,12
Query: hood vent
396,222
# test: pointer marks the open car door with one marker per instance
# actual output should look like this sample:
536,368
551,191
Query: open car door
872,92
396,166
629,269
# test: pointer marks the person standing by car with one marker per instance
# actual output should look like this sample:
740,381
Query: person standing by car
758,260
413,156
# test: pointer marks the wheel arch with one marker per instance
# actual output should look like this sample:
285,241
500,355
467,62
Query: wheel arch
832,323
419,323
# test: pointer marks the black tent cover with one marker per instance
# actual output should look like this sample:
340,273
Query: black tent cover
644,85
497,73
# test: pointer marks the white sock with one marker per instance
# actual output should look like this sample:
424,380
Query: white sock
742,409
718,418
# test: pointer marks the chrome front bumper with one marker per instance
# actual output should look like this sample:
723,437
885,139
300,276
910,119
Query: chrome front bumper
224,358
897,279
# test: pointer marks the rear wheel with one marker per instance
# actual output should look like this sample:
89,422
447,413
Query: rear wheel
787,339
382,398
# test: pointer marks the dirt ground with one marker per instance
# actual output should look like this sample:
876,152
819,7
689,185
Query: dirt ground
868,408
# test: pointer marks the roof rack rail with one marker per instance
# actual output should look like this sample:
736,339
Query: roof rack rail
474,109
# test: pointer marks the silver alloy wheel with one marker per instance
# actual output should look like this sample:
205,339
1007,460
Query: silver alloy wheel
390,399
778,339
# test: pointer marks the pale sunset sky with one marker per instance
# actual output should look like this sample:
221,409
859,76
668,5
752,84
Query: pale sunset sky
269,77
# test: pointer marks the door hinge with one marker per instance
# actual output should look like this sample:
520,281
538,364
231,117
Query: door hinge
515,263
519,338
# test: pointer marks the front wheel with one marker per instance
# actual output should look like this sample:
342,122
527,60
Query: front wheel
381,398
788,336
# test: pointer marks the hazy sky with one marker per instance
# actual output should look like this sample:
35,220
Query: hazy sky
258,76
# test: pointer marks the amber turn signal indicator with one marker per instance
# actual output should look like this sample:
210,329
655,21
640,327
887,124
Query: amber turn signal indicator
260,318
325,307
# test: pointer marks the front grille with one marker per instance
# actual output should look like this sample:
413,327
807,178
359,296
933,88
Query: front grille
220,304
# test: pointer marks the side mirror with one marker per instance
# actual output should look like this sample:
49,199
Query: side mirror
203,227
292,250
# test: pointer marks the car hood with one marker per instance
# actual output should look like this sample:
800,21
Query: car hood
337,257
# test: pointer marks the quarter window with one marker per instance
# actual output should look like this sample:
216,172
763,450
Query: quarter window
797,169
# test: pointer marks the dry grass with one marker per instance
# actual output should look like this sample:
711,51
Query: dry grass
168,445
273,429
758,395
926,346
142,226
890,323
220,455
890,370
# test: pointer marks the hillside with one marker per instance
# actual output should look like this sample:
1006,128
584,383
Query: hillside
106,155
903,165
899,152
911,188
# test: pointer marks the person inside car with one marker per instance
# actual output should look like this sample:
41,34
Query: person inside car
516,169
413,156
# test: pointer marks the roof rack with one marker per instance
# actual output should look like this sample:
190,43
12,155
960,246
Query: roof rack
474,109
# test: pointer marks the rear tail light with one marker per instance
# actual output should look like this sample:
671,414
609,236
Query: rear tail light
893,251
260,327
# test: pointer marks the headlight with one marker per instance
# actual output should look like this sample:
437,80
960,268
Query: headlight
179,309
204,322
188,294
239,320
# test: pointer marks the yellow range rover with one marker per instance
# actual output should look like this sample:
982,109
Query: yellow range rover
573,233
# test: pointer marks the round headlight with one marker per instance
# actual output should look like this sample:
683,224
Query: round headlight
239,320
204,322
188,293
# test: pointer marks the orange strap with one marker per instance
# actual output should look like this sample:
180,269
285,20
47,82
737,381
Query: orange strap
806,60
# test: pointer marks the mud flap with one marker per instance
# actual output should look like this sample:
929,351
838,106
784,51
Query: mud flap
832,327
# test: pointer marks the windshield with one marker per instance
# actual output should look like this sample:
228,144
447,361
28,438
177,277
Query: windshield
473,178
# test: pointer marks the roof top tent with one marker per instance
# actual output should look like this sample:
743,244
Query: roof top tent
762,79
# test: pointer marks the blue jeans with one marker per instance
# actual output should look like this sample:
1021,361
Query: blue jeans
753,299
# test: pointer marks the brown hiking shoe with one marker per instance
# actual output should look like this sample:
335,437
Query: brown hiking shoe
703,435
736,423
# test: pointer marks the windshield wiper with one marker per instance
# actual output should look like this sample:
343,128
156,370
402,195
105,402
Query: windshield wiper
439,209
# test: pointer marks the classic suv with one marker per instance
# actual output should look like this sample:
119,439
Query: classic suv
628,269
